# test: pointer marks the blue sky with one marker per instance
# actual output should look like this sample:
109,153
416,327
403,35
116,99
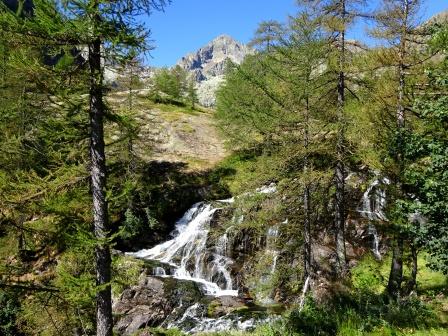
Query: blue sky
186,25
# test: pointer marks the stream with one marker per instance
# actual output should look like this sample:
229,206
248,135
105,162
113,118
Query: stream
188,257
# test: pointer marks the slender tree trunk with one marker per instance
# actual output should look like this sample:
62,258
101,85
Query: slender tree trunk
306,199
412,283
98,175
339,214
401,85
396,272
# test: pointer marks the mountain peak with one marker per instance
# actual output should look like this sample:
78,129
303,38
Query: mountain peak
208,64
209,61
226,38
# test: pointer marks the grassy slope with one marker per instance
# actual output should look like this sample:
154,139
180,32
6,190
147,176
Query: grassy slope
171,132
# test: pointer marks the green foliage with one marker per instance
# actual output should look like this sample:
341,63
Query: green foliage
126,272
313,320
75,277
367,276
191,93
426,165
361,316
9,309
131,225
171,86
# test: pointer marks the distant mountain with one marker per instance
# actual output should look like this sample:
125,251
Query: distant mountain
207,65
209,61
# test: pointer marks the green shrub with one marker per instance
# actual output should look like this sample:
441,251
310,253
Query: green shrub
9,308
313,320
367,276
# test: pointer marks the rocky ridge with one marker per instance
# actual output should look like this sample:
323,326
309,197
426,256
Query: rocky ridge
208,65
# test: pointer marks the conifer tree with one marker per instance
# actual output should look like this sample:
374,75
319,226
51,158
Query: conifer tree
192,94
304,46
267,35
108,32
337,17
397,23
277,96
111,27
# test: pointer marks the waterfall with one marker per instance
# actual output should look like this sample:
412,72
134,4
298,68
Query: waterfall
159,271
306,286
271,238
272,254
372,207
274,262
374,200
376,240
188,254
195,317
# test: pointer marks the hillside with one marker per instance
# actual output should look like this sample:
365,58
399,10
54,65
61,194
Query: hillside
173,133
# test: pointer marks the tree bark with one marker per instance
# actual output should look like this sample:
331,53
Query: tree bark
412,283
339,213
306,199
98,175
396,272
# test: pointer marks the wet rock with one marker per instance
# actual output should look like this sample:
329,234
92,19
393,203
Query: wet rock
151,302
225,305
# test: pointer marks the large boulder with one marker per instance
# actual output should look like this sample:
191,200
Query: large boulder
152,301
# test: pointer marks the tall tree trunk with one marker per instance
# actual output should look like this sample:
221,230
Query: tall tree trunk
396,272
306,199
98,175
339,214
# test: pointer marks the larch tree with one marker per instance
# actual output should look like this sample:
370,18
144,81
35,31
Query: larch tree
111,30
267,35
397,23
192,94
106,32
337,17
303,48
277,97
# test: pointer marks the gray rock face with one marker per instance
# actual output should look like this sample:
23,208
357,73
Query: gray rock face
151,302
210,60
208,65
167,302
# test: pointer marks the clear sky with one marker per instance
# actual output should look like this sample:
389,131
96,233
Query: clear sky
187,25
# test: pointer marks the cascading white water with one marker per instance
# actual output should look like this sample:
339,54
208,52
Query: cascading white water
372,207
188,257
197,319
159,271
272,254
374,200
187,252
